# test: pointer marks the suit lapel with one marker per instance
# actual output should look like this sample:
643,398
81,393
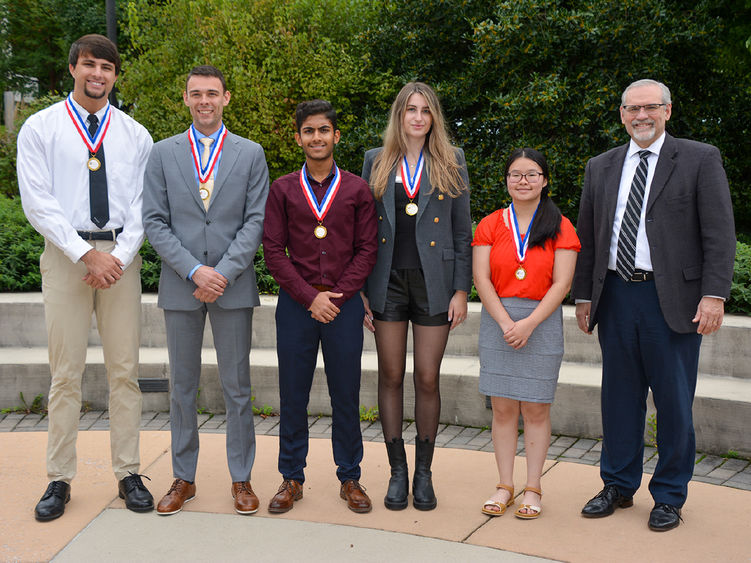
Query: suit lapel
230,152
663,170
388,200
612,181
187,167
423,196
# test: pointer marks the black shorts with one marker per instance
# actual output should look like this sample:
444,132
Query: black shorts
407,300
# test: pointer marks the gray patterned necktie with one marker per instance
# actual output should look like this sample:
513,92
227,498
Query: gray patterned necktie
626,256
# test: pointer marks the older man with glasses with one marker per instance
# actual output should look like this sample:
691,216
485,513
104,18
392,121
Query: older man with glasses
658,243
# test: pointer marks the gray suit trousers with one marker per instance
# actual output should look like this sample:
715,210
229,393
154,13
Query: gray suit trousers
232,329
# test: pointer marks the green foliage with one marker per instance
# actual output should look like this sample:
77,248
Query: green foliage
265,281
368,414
740,292
20,248
549,74
35,37
273,54
151,268
265,411
36,407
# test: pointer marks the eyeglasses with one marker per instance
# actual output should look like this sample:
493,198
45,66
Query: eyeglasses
649,108
531,177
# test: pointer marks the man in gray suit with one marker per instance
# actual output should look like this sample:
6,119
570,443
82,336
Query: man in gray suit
658,242
204,198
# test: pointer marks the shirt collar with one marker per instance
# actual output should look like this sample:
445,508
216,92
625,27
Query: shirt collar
214,135
84,113
331,174
654,148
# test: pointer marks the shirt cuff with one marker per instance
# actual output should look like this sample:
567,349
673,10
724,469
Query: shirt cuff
577,301
193,271
715,297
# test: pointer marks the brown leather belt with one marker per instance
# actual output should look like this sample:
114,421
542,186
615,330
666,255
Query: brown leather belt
321,287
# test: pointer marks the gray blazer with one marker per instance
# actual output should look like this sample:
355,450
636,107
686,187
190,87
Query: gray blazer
689,222
185,234
444,237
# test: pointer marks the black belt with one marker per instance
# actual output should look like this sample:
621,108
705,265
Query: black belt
638,275
100,235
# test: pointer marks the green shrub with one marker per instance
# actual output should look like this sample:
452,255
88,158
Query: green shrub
740,293
20,247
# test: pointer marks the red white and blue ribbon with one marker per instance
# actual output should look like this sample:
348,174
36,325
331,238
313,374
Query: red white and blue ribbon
521,244
412,183
92,142
320,209
204,173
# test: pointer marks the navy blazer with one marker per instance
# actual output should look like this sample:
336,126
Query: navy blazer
689,223
443,233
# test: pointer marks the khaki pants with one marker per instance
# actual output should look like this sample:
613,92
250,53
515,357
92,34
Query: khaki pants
68,305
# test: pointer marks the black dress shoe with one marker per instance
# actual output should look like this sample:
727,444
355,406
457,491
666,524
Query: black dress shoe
664,517
137,496
52,503
604,503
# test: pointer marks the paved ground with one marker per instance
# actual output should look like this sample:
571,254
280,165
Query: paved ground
709,468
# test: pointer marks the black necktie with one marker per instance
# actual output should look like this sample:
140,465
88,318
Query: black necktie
626,255
98,200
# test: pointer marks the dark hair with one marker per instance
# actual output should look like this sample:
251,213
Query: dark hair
547,224
314,107
206,70
98,46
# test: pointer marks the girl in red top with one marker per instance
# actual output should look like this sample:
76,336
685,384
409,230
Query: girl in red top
523,263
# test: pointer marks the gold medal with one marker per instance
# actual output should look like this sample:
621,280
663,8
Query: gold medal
320,232
94,164
204,193
411,209
520,273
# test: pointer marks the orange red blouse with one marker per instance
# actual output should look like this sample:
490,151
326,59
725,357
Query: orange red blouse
495,232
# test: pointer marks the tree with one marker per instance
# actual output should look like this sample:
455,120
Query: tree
549,74
35,36
273,54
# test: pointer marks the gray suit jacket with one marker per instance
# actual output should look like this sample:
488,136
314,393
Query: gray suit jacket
185,234
689,223
444,237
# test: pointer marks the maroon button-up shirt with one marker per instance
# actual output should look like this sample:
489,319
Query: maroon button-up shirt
343,259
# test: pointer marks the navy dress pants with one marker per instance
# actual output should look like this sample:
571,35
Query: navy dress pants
641,352
297,339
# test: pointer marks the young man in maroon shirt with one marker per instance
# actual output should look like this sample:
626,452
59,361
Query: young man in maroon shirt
320,245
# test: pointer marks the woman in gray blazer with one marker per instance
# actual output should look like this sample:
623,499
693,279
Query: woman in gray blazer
423,274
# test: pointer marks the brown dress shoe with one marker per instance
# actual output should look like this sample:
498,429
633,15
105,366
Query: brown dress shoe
354,493
285,498
179,493
246,501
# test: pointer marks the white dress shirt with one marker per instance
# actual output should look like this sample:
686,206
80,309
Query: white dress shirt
53,179
631,162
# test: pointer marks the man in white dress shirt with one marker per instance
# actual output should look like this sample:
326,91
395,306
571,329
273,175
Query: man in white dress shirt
80,174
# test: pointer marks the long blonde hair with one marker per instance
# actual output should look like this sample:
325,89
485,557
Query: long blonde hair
439,154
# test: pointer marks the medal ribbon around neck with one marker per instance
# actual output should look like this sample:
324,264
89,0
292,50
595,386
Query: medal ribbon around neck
92,143
216,149
412,183
320,209
521,245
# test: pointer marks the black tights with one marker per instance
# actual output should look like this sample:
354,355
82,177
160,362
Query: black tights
429,346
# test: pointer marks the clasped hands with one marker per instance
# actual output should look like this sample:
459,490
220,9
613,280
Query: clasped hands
211,284
103,269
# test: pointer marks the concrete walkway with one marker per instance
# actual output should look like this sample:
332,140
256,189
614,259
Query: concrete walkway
96,526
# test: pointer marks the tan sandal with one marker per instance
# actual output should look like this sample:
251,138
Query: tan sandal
537,510
501,506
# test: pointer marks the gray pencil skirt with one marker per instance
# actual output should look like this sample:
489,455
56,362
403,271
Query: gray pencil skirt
530,373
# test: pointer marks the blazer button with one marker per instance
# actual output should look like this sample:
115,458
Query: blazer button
380,217
440,197
208,222
432,243
205,253
436,220
383,241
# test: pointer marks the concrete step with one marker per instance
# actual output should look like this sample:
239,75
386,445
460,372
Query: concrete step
722,407
725,353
